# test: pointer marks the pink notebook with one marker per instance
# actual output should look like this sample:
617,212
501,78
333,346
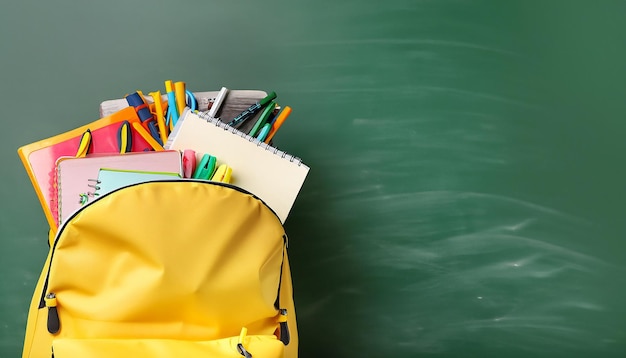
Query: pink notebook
74,175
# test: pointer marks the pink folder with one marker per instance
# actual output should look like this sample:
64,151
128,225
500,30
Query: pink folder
39,157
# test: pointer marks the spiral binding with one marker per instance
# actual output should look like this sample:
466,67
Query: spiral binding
217,122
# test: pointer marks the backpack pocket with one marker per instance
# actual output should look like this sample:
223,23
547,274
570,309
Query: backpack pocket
233,347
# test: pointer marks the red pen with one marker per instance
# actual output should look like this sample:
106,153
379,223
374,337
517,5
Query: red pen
189,162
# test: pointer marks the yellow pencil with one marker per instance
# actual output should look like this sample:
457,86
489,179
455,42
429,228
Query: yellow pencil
158,108
181,100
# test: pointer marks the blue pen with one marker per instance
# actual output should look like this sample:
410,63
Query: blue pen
171,102
252,109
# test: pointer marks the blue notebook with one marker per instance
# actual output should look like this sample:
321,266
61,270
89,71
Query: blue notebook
111,179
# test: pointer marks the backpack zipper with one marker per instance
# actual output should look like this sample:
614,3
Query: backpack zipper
54,324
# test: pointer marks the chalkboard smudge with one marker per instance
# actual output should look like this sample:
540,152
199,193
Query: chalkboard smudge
484,268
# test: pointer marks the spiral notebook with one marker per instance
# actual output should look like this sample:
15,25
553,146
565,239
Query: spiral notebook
274,176
73,174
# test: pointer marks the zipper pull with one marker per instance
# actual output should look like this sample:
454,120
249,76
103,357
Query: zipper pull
285,337
54,324
240,348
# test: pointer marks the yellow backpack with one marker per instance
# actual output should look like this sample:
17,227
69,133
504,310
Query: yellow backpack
181,268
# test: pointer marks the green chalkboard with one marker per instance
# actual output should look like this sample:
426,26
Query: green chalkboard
466,196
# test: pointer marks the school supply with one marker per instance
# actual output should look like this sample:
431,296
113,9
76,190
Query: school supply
179,94
147,136
148,122
217,103
183,268
265,114
278,121
273,175
39,158
233,104
73,174
160,115
84,145
191,100
124,138
205,168
111,179
172,111
223,174
264,132
248,112
189,163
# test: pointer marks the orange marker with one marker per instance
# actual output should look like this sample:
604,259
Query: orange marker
282,116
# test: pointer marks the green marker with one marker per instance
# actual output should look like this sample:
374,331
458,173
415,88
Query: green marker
252,109
205,168
265,115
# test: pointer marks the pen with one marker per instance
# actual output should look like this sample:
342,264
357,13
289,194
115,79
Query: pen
262,119
252,109
280,118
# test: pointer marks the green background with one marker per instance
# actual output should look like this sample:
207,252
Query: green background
466,196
